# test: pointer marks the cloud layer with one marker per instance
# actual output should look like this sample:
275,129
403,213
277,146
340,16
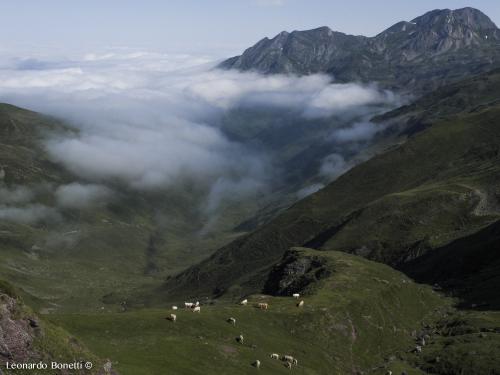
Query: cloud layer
147,120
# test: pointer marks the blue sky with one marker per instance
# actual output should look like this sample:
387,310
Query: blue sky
218,27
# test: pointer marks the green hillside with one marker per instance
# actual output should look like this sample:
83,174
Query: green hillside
364,317
437,186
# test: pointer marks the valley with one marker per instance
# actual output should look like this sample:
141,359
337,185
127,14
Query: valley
362,173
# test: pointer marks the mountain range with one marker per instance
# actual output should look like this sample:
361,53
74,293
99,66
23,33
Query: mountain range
433,49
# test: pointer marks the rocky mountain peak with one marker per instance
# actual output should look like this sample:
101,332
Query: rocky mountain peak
471,18
439,44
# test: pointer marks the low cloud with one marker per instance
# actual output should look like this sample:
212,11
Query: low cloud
77,195
333,166
149,120
357,132
15,195
308,190
29,214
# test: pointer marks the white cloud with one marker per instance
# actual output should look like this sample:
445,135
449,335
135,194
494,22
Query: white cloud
308,190
15,195
357,132
333,166
29,214
76,195
146,119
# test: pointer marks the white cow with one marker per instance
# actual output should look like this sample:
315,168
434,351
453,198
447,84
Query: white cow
197,309
296,295
257,364
232,321
289,359
172,317
188,305
244,302
240,339
174,307
300,304
275,356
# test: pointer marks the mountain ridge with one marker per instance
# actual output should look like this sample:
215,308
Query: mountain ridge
412,54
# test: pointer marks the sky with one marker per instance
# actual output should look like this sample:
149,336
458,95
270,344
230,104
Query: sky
217,28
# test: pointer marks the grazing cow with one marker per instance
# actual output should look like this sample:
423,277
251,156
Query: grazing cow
172,317
256,364
288,365
174,307
240,339
275,356
300,304
244,302
296,295
263,306
232,321
197,309
287,358
188,305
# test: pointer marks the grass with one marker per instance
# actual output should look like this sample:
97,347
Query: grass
392,208
359,317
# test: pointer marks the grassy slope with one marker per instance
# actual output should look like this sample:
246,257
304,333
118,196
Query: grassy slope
356,319
392,208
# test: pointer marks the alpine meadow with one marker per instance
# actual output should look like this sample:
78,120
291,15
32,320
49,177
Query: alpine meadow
320,203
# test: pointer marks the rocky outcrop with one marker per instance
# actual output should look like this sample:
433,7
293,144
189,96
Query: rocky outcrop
295,273
16,332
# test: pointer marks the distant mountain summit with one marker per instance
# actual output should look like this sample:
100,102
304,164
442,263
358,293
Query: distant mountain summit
440,45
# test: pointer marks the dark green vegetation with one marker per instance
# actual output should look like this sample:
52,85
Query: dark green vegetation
440,46
438,186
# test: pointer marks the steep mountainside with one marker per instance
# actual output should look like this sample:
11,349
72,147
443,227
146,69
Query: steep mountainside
438,47
437,187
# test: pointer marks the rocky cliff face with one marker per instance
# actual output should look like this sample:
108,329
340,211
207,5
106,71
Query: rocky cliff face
24,338
295,273
441,45
16,333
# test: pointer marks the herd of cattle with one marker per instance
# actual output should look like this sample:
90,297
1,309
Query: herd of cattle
288,360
